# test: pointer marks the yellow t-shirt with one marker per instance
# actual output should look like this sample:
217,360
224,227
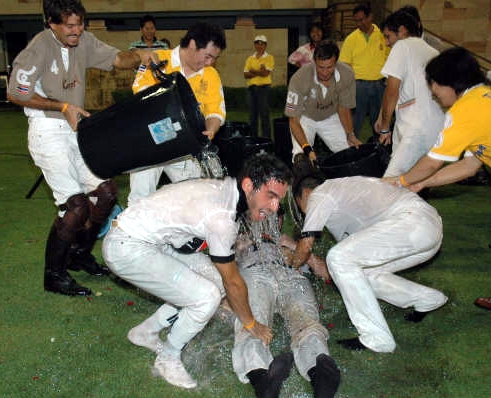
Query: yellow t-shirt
467,128
206,84
365,57
254,63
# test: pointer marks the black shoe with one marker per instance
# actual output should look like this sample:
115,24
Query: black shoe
352,344
415,316
324,377
63,283
267,383
85,261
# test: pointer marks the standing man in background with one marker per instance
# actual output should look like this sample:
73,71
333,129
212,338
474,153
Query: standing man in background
365,51
148,39
199,49
48,80
419,117
257,72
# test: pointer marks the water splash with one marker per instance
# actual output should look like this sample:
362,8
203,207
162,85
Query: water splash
210,163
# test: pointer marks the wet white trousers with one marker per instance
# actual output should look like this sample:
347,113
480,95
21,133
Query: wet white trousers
145,182
363,266
188,281
330,130
411,139
54,148
274,288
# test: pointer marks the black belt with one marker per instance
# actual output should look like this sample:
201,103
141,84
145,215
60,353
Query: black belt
378,80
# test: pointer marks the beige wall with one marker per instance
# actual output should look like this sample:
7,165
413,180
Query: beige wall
34,6
465,22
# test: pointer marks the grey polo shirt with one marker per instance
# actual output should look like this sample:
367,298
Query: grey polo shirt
308,97
40,68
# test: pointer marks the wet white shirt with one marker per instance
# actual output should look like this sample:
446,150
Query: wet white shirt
177,213
347,205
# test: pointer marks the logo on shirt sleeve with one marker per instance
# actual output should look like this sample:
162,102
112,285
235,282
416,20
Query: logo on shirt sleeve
439,140
23,83
291,100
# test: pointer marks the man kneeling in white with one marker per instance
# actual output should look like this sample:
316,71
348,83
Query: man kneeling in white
141,248
380,230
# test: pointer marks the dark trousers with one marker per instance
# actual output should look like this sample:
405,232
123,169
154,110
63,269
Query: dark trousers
369,94
258,98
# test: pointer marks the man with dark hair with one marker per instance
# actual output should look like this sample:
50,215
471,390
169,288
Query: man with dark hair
459,83
154,244
380,231
199,49
365,51
148,35
418,116
432,40
48,80
319,101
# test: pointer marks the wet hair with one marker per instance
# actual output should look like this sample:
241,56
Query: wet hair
413,11
305,175
202,33
315,25
326,49
309,182
55,10
401,18
264,167
364,7
147,18
456,68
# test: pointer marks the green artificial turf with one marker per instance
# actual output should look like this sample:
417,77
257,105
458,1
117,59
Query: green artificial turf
58,346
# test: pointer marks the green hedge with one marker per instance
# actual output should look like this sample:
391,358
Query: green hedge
235,97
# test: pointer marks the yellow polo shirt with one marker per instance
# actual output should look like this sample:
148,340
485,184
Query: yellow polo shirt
206,84
365,57
467,128
254,63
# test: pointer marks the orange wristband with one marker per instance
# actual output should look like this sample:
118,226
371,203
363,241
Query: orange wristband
403,181
250,325
304,145
64,107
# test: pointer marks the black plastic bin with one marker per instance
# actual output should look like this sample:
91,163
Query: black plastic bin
157,125
367,160
235,150
283,140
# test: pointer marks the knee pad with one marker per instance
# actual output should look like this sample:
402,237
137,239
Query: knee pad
102,201
76,214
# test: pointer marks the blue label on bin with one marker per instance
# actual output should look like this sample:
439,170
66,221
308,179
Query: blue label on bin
163,130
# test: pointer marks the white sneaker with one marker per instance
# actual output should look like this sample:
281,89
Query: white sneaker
146,334
172,370
140,336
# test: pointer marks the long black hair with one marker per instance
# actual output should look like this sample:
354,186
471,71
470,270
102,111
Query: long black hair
456,68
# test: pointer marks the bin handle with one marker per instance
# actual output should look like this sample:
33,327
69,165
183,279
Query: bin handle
157,71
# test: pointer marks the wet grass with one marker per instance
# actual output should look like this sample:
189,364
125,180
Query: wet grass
57,346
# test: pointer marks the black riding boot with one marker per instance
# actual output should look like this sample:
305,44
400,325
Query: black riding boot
56,277
80,253
324,377
267,383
